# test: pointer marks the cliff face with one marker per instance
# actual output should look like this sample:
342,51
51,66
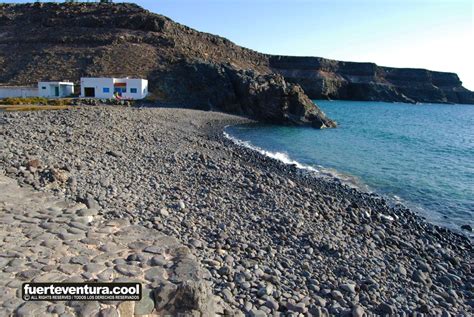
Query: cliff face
323,78
50,41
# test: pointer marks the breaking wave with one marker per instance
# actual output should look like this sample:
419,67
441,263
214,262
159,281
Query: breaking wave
286,159
280,156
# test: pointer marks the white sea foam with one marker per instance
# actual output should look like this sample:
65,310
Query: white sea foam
286,159
280,156
349,180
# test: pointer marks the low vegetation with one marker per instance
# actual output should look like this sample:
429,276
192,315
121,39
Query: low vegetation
31,107
35,101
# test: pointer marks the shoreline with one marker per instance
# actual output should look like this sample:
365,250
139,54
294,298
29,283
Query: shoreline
274,239
301,174
353,182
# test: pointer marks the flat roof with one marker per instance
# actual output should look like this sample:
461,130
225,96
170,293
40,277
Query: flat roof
56,82
120,78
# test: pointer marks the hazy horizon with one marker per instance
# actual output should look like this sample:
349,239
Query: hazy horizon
436,35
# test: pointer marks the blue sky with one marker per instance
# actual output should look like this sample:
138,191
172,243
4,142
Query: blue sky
436,34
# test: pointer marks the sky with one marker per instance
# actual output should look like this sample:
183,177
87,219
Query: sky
432,34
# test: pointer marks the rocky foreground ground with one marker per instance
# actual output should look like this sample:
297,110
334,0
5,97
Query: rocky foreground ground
275,240
45,239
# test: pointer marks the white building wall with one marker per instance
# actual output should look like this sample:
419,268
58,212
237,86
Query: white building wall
47,89
43,89
138,86
99,84
18,92
67,90
104,87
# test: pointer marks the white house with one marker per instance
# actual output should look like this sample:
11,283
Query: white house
55,89
126,88
18,91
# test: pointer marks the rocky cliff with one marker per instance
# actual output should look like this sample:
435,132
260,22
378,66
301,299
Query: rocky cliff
323,78
52,41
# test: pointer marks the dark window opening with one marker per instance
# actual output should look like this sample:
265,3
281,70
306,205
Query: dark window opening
89,92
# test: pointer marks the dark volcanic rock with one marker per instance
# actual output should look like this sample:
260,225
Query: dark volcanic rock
266,97
52,41
323,78
274,240
270,98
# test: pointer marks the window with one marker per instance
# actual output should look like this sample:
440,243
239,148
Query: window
44,87
106,90
133,90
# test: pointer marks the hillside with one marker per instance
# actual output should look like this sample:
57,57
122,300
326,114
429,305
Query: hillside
55,41
323,78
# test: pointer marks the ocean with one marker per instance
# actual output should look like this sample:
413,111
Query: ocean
420,155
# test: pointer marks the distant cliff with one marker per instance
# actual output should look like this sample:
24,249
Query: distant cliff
55,41
324,78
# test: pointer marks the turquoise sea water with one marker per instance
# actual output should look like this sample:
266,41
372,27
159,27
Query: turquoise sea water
420,154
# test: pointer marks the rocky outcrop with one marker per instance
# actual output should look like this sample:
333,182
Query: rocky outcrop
52,41
267,97
323,78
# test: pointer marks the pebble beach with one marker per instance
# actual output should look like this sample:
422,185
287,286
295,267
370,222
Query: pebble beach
271,239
